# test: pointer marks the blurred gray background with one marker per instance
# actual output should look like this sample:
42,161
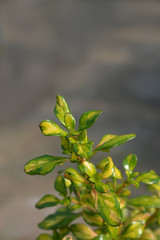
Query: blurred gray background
100,55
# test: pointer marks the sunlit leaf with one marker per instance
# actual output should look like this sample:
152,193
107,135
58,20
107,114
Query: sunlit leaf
82,232
109,209
47,201
157,233
130,163
67,182
101,187
83,150
148,235
87,119
133,231
88,168
43,164
117,173
82,138
60,185
122,202
61,109
145,201
92,218
142,217
148,178
101,237
74,157
50,128
110,141
126,193
108,169
44,236
61,218
103,163
114,231
70,122
65,145
73,175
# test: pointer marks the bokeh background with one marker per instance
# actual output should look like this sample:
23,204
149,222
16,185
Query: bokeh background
100,55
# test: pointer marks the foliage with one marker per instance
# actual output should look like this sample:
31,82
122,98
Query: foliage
97,194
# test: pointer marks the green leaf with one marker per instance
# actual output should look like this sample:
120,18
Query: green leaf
82,232
74,157
109,208
43,165
148,235
88,168
101,165
64,232
83,150
148,178
50,128
126,193
68,237
101,187
47,201
117,173
44,236
92,218
56,235
135,174
114,231
73,175
157,233
70,122
145,201
108,169
142,217
87,119
60,185
155,188
61,109
130,163
101,237
65,145
82,138
110,141
65,201
61,218
133,231
67,182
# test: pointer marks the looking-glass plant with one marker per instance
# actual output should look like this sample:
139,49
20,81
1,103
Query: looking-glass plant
97,194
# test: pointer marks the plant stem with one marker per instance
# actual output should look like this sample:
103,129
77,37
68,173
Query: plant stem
125,184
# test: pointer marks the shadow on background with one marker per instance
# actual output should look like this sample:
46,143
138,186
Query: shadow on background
100,55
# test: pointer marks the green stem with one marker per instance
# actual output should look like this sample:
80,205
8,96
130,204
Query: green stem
114,183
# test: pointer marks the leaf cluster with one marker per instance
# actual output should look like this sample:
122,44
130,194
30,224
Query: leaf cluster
97,194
